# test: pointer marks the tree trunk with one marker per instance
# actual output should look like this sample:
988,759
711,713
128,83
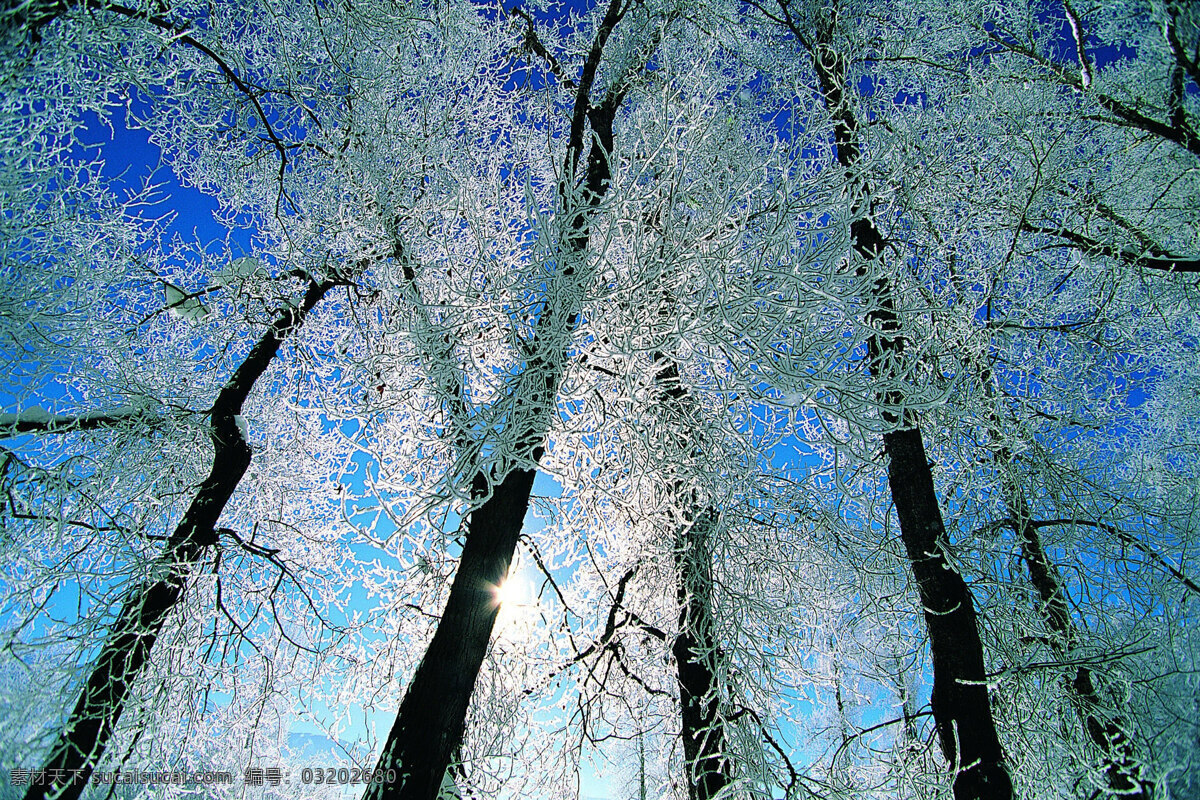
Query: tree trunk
1105,730
696,653
961,708
85,735
429,725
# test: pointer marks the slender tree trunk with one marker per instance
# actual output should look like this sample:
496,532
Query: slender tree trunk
696,653
1105,730
85,734
961,708
429,725
695,648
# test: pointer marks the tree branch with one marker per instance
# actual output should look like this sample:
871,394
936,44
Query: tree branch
1125,538
1182,135
1179,52
1087,662
38,420
534,45
584,91
1163,261
182,35
793,776
859,734
1085,66
532,547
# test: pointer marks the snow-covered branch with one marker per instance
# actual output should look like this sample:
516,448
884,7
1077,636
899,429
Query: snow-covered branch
38,420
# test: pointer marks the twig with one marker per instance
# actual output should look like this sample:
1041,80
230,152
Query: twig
534,45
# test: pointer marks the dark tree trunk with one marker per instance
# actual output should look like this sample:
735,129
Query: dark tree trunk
85,734
1107,731
961,708
429,725
696,654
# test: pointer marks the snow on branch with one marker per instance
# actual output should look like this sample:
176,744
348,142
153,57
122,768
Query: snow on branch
1160,260
39,420
1085,65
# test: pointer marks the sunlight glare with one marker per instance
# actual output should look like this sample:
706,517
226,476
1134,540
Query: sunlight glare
509,593
517,607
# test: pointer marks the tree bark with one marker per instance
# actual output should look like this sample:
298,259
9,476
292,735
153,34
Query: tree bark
86,733
961,708
707,767
696,653
429,725
1107,731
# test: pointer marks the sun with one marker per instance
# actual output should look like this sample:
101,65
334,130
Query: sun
517,607
510,592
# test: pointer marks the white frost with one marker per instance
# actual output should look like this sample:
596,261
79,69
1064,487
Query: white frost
40,416
185,306
794,399
240,270
243,267
36,414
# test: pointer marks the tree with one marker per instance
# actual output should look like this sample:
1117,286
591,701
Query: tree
438,696
960,701
200,54
1072,136
109,519
689,266
85,734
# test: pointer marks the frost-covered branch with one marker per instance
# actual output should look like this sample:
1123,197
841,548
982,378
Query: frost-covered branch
1178,131
35,14
1159,260
39,420
1124,538
1085,64
1190,64
534,45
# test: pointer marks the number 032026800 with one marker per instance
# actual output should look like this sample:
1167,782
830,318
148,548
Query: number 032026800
345,775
